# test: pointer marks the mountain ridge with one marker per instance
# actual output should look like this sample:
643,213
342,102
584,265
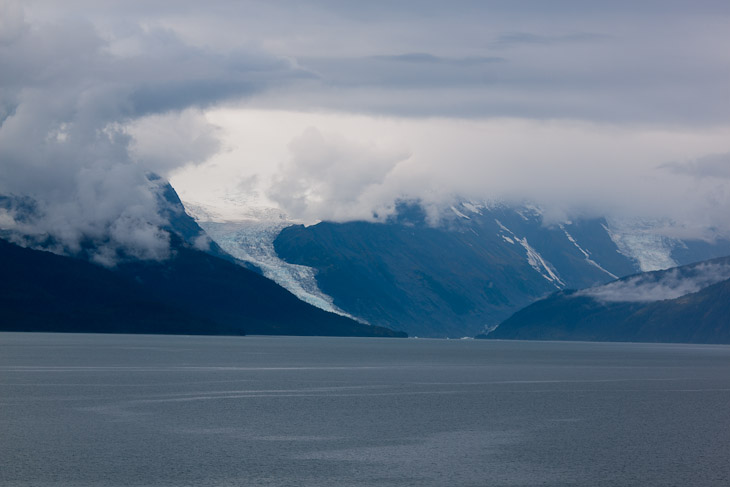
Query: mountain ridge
699,316
464,275
198,289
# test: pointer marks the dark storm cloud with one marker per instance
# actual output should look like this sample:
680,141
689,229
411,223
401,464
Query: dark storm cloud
68,95
404,70
656,62
615,62
176,76
511,39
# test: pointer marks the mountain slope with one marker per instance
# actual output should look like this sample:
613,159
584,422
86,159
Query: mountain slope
689,304
191,293
389,274
233,296
252,242
41,291
454,279
198,289
474,268
226,291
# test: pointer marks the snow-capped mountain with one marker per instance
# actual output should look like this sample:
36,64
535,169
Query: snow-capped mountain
465,273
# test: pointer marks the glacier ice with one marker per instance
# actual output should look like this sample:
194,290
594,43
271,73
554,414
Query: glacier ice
253,241
639,240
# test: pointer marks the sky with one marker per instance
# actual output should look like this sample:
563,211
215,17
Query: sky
333,110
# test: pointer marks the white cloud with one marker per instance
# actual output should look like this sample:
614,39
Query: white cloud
578,107
363,163
331,177
670,284
82,122
709,166
165,142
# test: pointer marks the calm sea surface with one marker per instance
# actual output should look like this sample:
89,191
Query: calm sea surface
119,410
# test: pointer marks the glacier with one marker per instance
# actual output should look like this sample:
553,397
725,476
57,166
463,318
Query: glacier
253,241
549,256
639,240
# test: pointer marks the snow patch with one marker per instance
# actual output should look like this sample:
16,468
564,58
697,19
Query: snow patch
544,268
460,214
505,229
234,212
541,265
585,253
529,212
473,207
499,223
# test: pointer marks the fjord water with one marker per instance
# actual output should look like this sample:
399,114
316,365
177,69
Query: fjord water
126,410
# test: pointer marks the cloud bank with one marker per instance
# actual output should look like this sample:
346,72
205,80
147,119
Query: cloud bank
333,110
364,164
329,177
84,118
670,284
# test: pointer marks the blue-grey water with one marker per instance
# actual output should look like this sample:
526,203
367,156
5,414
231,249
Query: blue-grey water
118,410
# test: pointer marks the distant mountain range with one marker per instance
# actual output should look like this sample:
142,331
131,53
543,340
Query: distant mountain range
474,268
688,304
199,290
460,275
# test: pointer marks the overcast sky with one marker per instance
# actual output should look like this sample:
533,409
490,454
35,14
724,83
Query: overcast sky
334,109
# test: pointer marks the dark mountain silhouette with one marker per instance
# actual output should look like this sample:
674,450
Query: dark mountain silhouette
41,291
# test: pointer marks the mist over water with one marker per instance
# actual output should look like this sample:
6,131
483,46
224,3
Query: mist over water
148,410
